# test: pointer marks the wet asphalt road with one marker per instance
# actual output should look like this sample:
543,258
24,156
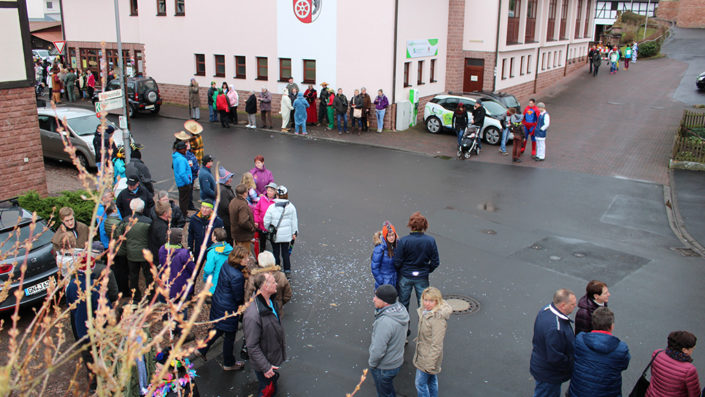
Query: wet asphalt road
546,229
687,45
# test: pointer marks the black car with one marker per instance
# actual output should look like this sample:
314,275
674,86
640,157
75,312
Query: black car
142,94
700,81
507,100
15,225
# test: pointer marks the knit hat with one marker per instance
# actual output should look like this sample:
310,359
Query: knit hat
387,293
224,174
386,228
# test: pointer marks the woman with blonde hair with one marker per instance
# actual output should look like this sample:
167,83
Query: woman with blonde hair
249,181
433,317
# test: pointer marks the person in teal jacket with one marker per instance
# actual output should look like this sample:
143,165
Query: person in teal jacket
216,256
300,105
182,176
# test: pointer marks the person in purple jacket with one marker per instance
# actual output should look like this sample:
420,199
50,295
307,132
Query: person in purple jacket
261,175
381,104
180,267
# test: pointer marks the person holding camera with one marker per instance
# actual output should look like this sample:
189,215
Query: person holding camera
281,222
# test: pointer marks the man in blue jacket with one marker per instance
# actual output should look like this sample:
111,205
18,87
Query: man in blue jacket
552,355
206,179
600,359
182,176
415,258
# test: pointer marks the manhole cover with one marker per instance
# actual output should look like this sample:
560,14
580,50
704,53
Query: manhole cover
462,304
536,247
554,258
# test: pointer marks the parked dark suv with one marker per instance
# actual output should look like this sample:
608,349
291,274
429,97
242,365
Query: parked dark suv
507,100
15,225
142,94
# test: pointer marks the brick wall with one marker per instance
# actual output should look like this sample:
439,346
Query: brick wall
691,14
455,60
668,9
20,140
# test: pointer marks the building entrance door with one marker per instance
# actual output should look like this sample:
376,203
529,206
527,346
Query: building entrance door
472,77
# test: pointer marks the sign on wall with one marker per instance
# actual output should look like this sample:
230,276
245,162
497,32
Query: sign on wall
307,11
421,48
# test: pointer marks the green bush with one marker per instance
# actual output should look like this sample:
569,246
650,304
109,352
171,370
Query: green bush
649,49
632,18
83,209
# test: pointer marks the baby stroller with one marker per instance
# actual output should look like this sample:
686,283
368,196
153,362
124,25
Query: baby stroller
469,144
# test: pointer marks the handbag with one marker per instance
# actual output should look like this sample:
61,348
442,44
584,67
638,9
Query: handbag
272,230
642,384
357,113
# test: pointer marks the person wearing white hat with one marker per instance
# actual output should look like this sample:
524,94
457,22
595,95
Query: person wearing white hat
541,129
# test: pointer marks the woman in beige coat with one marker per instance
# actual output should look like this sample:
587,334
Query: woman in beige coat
266,263
429,342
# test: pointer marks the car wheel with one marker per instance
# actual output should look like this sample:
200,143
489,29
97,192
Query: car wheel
492,135
131,112
151,96
156,109
83,160
433,125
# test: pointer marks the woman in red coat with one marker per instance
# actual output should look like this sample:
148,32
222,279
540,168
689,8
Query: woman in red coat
311,112
672,372
223,106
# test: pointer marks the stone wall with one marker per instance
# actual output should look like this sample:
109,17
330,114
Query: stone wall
455,60
22,166
668,9
686,13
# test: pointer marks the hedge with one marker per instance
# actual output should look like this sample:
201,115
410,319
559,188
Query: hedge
649,49
83,209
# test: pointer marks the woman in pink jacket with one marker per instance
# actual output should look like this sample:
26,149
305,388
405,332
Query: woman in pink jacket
672,372
260,209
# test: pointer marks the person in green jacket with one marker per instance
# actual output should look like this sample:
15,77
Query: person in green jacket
216,256
138,240
330,109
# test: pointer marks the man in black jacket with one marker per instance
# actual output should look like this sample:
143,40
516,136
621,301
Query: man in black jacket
226,196
340,103
108,146
133,191
323,105
212,114
159,228
478,119
137,168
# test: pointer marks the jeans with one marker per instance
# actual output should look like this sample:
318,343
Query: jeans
264,382
252,119
613,67
344,122
283,249
544,389
228,345
212,115
460,133
384,381
505,136
195,113
380,119
405,286
426,384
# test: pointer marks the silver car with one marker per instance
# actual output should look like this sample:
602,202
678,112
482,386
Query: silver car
81,124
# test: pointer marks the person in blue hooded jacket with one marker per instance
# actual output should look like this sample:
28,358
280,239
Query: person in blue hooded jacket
300,105
382,263
600,359
206,179
182,175
216,256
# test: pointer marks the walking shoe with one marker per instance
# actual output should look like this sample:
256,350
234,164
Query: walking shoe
505,154
304,133
516,160
340,132
236,367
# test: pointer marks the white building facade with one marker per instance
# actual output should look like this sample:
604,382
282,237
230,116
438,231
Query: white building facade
394,45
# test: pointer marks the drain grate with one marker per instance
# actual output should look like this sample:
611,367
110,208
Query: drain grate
685,251
462,304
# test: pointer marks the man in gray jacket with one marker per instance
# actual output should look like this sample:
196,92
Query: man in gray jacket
388,339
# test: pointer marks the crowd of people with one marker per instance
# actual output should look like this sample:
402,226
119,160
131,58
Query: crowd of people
613,55
64,83
298,109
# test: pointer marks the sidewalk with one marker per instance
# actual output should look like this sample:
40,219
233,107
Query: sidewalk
688,196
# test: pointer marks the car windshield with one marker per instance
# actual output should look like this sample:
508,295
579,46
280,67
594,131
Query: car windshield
494,108
42,53
148,85
12,243
84,125
510,101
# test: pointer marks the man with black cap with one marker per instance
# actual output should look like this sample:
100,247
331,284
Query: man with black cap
134,190
388,339
182,175
109,147
197,230
206,179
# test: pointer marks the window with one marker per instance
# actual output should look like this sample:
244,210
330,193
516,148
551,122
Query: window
587,18
407,66
432,73
530,21
555,59
578,18
284,69
50,5
548,60
309,71
180,7
262,68
551,25
161,8
511,67
504,69
528,64
564,18
514,8
560,57
419,79
513,21
140,62
219,66
133,8
240,67
200,65
521,66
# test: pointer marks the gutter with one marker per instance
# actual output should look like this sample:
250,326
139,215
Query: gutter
394,64
496,49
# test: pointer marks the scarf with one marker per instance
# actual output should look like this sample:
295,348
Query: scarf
679,356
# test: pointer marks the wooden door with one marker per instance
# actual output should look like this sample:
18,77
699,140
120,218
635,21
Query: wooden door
473,75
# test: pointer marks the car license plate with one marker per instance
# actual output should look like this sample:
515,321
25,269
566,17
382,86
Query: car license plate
35,289
149,107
